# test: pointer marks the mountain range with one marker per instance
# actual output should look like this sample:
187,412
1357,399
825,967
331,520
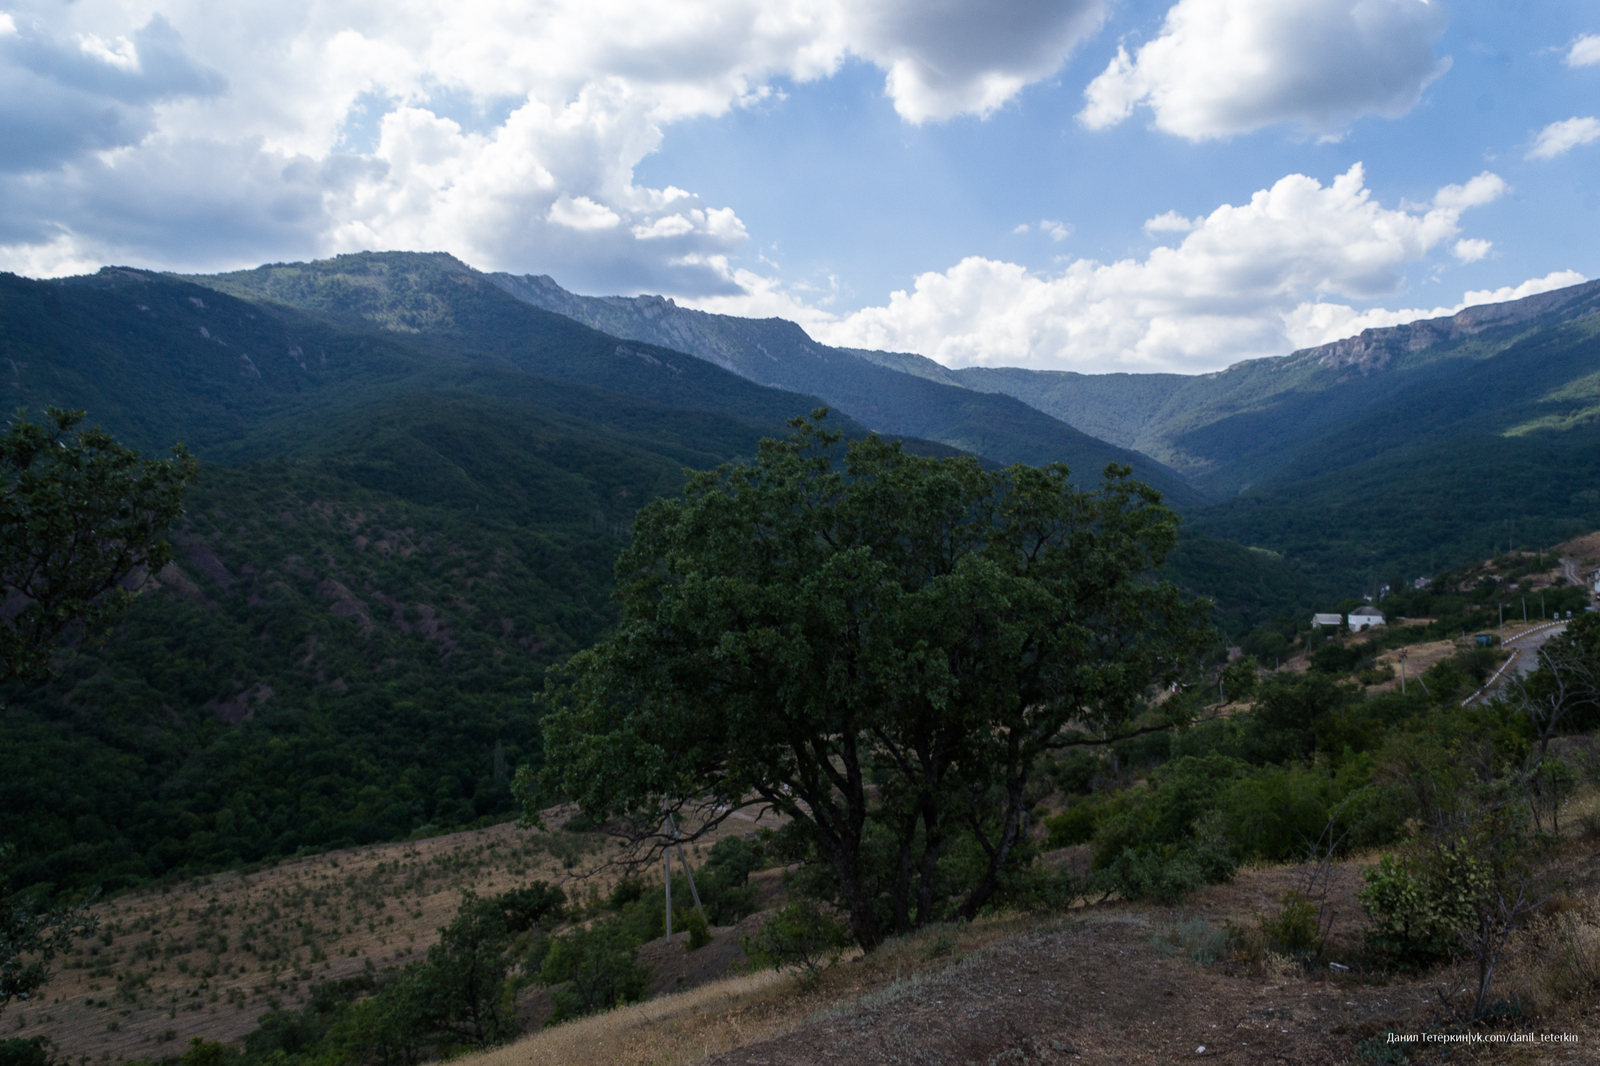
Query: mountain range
416,476
1445,436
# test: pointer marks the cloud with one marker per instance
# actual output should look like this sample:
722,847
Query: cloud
1245,281
1225,67
506,133
1058,231
581,213
63,97
1471,250
1585,51
1558,138
952,57
1170,222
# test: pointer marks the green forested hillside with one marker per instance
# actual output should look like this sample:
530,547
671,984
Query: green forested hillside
413,490
879,390
1268,421
388,543
345,641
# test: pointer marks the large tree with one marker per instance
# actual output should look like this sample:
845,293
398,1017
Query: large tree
878,646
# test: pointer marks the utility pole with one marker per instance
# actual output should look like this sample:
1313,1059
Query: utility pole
1502,622
1402,671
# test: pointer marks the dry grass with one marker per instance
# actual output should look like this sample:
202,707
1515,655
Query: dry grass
207,957
737,1011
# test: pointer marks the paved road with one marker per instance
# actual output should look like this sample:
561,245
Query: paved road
1528,657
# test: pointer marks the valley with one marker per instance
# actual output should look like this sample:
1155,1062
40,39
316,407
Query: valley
301,744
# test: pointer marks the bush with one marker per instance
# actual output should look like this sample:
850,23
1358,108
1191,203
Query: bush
699,931
800,938
1276,814
1196,940
1169,872
1074,772
1296,928
1075,825
1419,906
594,969
33,1052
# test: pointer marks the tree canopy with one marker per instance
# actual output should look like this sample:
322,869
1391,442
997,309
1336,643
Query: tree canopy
879,647
79,515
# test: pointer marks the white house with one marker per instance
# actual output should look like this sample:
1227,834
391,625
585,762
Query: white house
1327,619
1362,617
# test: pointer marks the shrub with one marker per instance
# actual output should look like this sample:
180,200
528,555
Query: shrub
1075,825
1296,928
1196,940
33,1052
801,938
1276,814
1169,872
699,931
594,969
1418,908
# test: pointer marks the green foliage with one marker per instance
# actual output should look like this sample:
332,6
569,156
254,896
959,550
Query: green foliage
1075,825
207,1053
463,981
799,937
593,969
1295,927
79,514
35,1051
535,905
989,616
458,997
699,930
1166,873
1419,905
32,936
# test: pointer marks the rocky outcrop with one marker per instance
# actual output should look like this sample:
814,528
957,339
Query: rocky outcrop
1373,349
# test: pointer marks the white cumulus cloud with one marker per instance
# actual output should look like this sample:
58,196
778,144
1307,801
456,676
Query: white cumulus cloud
1470,250
1225,67
1559,138
1585,51
506,133
1245,281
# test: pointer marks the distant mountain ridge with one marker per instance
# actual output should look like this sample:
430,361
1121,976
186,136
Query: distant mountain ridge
1227,431
1373,349
867,386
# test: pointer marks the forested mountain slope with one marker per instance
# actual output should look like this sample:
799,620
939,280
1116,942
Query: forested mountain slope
388,543
1263,421
883,397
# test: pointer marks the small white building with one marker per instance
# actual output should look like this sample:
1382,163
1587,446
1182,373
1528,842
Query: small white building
1327,619
1364,617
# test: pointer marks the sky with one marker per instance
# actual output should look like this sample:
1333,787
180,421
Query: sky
1089,185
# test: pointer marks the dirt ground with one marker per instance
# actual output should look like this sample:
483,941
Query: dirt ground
1107,987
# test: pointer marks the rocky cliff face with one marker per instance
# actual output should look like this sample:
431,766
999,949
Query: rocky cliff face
1373,349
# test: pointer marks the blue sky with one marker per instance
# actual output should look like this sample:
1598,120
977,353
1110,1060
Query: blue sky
973,181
